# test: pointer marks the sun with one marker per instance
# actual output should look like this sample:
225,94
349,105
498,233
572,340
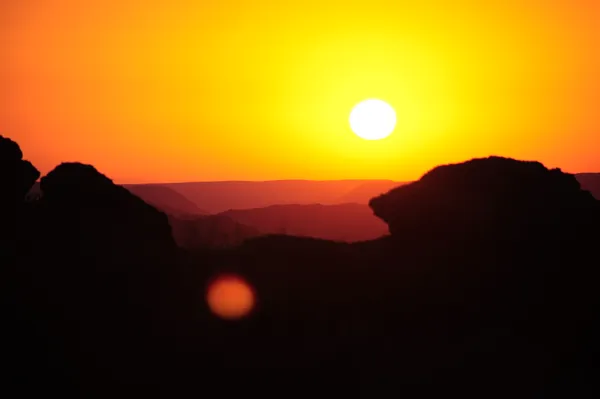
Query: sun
373,119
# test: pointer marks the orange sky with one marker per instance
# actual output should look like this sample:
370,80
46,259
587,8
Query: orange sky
174,90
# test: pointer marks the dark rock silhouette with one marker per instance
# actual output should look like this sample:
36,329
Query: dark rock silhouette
99,214
17,176
475,196
111,279
19,348
486,285
520,236
590,182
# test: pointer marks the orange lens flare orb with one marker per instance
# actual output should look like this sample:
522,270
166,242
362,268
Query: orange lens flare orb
230,297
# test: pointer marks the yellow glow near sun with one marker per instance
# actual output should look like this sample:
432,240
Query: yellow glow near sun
373,119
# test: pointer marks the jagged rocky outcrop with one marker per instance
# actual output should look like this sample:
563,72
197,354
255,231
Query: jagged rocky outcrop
107,261
590,182
505,251
482,197
99,216
17,176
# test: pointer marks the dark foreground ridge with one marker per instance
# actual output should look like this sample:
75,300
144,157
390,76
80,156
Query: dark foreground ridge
487,287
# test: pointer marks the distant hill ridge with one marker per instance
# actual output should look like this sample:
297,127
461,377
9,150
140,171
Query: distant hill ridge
341,222
216,197
165,199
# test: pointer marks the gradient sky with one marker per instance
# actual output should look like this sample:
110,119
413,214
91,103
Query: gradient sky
174,90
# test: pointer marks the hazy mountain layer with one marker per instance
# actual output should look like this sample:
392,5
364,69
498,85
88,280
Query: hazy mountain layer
215,197
165,199
344,222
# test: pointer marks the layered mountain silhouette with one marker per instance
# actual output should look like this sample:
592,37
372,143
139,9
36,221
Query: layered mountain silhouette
210,231
165,199
485,286
172,199
344,222
216,197
193,229
362,193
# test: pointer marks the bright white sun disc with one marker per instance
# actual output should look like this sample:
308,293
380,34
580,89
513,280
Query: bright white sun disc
373,119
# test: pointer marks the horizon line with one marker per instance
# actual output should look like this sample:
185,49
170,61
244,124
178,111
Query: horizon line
263,181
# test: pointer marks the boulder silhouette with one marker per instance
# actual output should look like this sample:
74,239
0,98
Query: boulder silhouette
107,263
484,195
98,213
20,346
17,176
504,248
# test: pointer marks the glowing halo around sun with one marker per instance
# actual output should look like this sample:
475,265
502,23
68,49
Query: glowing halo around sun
373,119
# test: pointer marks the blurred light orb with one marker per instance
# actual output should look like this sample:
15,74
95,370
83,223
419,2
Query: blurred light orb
230,297
373,119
